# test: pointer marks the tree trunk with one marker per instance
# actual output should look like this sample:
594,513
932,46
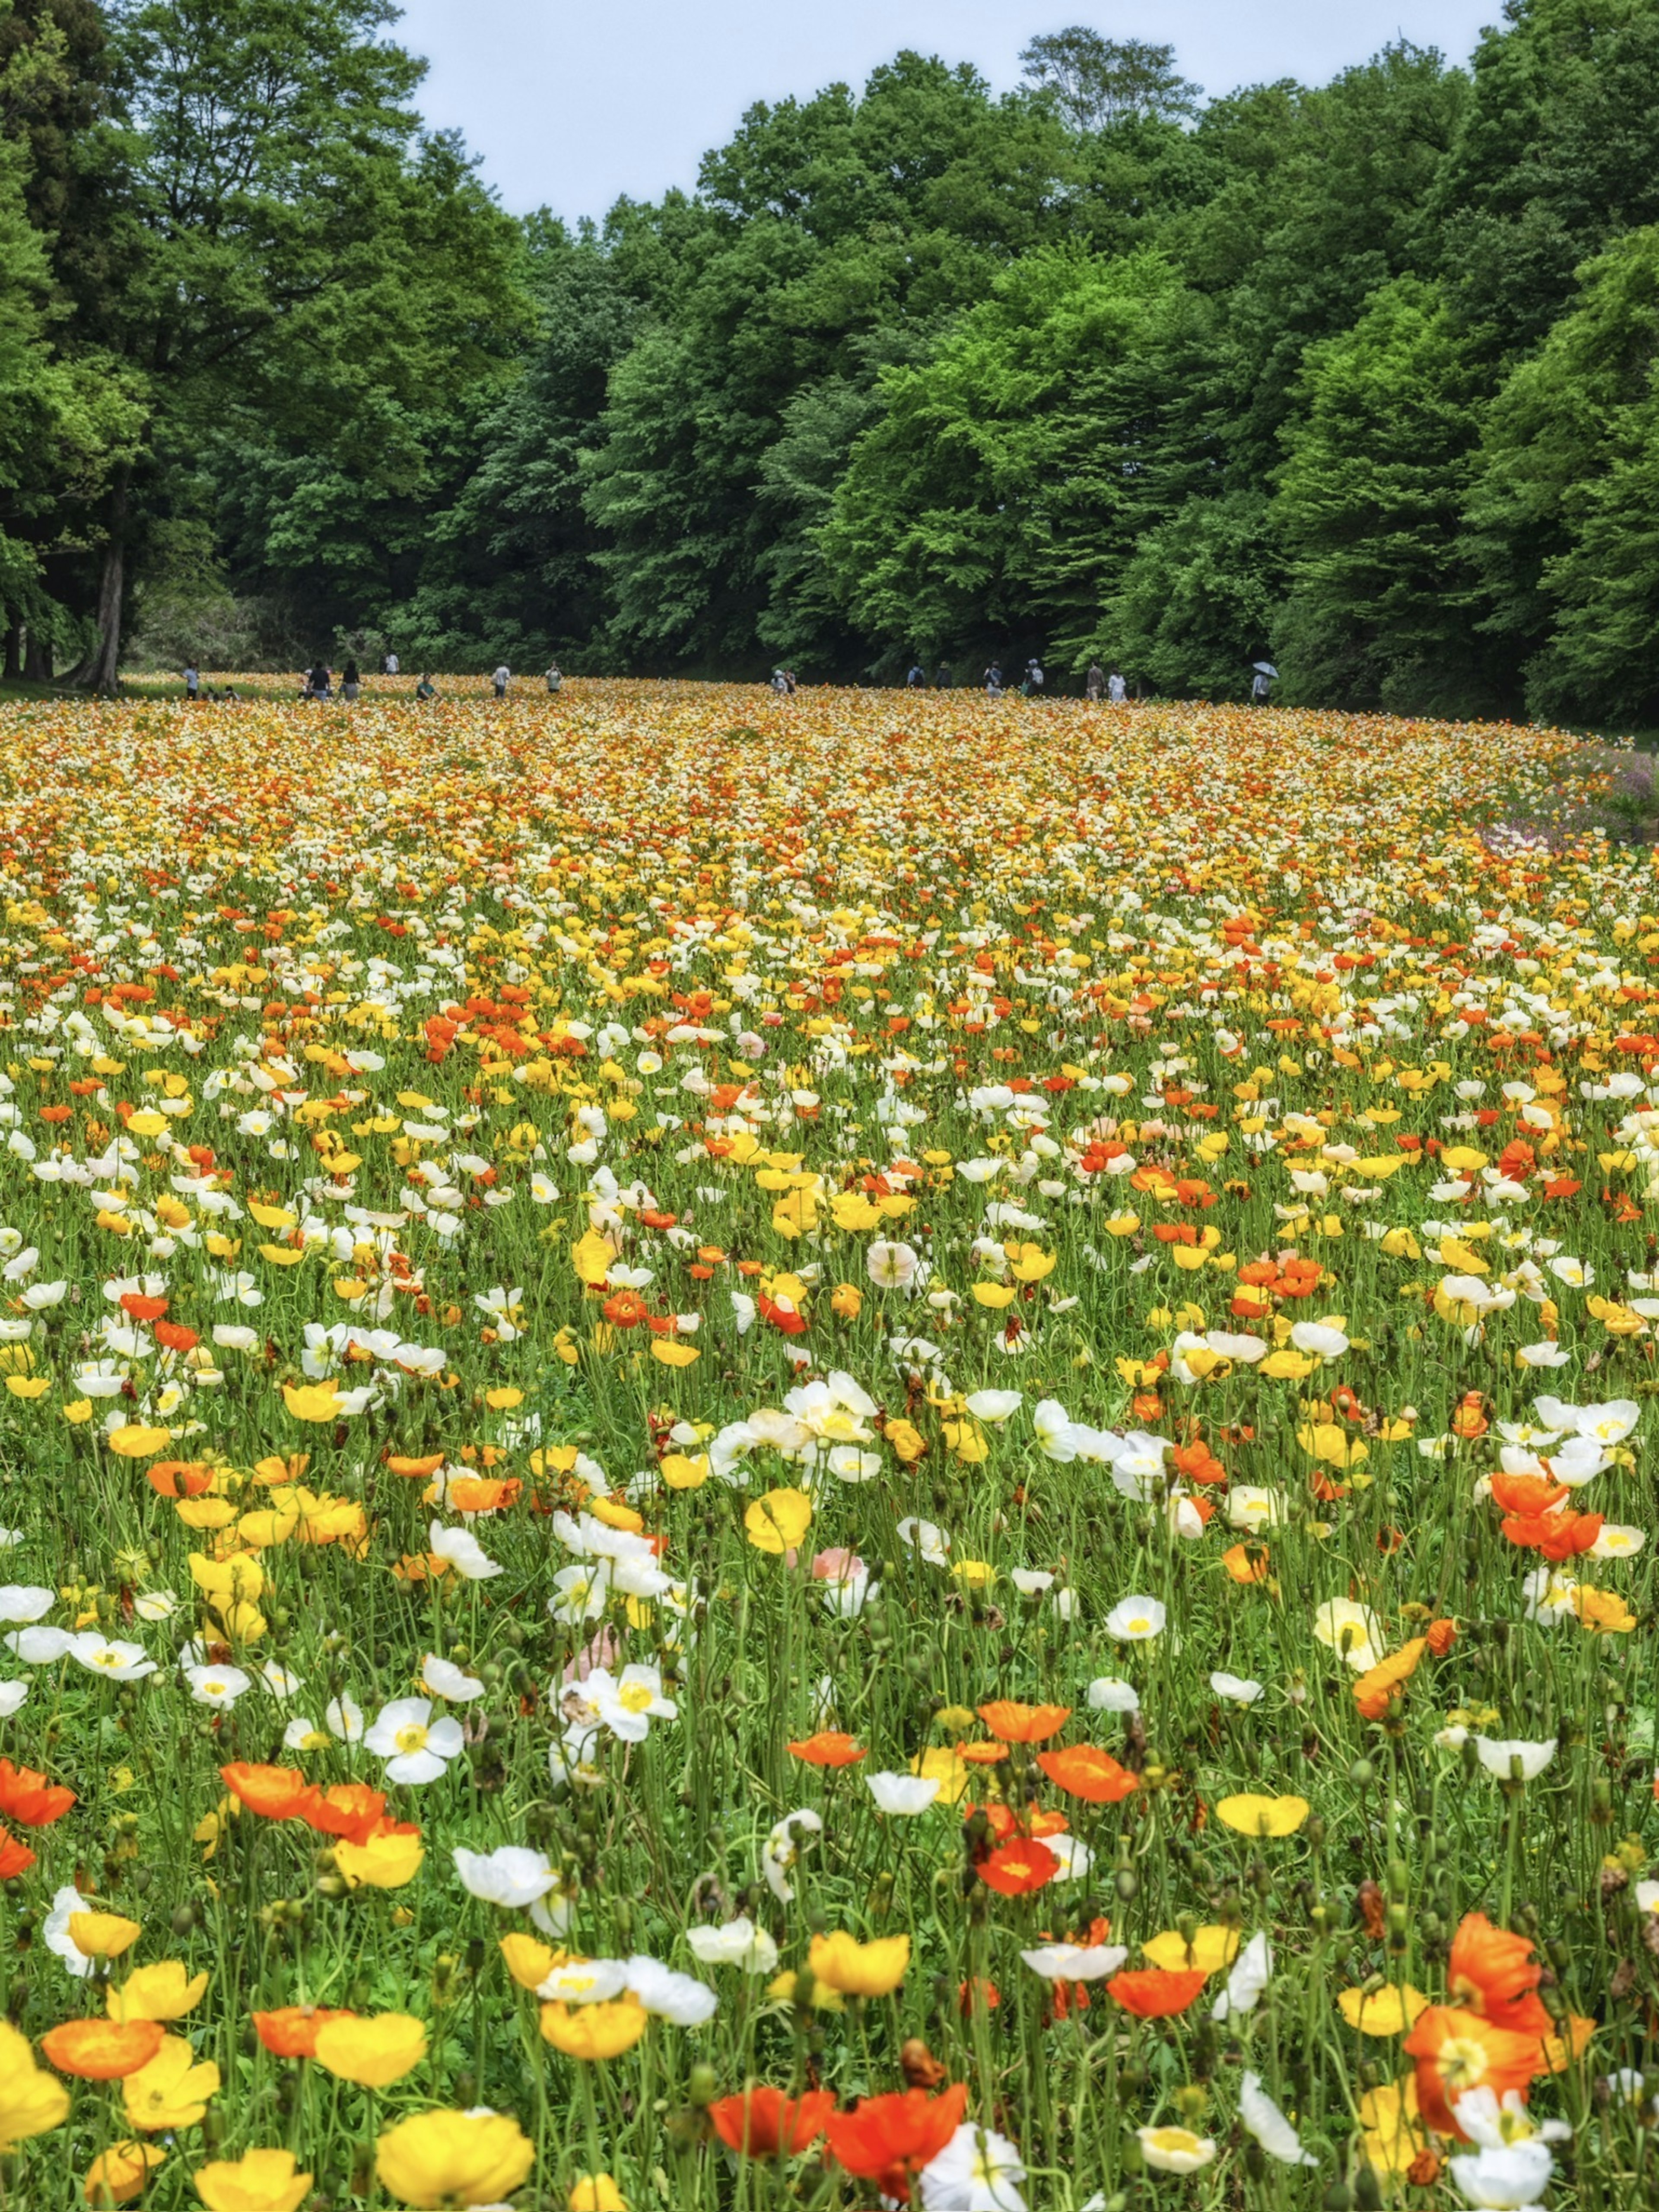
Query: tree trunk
14,667
98,668
37,657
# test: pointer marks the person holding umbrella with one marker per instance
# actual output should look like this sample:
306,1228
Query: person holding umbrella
1266,677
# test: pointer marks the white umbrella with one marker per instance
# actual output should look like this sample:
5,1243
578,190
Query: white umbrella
1264,668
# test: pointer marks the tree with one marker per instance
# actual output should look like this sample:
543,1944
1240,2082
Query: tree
1557,152
1098,83
1000,491
1561,516
1382,601
831,235
287,240
1197,601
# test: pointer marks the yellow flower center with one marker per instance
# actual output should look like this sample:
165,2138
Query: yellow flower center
636,1697
1462,2064
412,1738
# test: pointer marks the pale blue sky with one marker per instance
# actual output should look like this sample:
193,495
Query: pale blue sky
571,105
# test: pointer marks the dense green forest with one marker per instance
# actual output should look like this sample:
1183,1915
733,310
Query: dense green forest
1359,377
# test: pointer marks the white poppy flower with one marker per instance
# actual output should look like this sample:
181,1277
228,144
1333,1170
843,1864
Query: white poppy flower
902,1792
512,1875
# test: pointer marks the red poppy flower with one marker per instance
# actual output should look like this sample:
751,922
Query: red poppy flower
1156,1992
763,2122
28,1797
1083,1771
828,1747
174,1336
789,1319
889,2139
142,1308
1016,1869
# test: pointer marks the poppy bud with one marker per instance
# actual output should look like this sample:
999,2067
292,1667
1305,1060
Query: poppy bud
1362,1774
702,2088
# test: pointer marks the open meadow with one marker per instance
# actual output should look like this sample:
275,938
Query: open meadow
820,1452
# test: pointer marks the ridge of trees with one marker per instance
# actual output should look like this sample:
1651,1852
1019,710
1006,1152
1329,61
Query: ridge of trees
1356,378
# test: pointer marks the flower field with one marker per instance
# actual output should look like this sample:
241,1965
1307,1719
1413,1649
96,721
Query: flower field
824,1451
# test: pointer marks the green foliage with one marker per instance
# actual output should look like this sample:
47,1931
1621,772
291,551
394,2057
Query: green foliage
1353,377
1562,517
1010,471
1098,83
1196,601
1368,506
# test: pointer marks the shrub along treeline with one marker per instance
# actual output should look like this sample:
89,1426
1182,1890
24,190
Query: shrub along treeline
1360,378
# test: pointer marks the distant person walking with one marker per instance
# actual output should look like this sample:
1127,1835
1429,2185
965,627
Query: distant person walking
392,664
1263,682
942,676
501,679
426,689
1117,691
1095,682
994,680
917,677
1034,678
350,682
321,680
555,680
193,683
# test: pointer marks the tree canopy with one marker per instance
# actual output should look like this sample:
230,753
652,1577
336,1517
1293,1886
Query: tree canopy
1356,377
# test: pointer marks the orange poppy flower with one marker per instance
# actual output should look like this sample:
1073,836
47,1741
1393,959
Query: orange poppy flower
1492,1971
103,2050
1017,1867
274,1793
347,1809
888,2140
1557,1536
828,1747
762,2123
27,1796
1198,1462
982,1755
1083,1771
179,1478
1441,1635
1012,1723
174,1336
16,1857
1246,1563
1374,1689
1157,1992
428,1463
1527,1494
1004,1822
142,1308
481,1493
1457,2051
625,1310
290,2032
